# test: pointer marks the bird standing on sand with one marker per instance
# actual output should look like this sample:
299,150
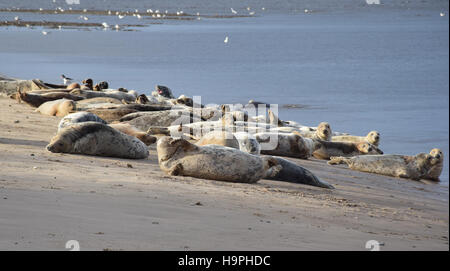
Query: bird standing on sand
66,80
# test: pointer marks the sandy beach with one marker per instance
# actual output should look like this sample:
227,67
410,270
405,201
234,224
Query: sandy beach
118,204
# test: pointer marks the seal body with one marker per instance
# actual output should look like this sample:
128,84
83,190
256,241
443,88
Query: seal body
93,138
291,172
145,120
179,157
58,108
133,131
436,168
372,137
221,138
410,167
77,118
346,149
36,99
291,145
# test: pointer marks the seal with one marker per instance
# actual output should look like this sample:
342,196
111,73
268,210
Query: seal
88,84
436,168
99,100
323,132
36,99
221,138
291,172
77,118
248,143
179,157
373,137
145,120
346,149
93,138
164,92
290,145
127,96
73,86
133,131
111,114
410,167
59,108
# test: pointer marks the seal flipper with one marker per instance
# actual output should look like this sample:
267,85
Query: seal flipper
176,170
336,160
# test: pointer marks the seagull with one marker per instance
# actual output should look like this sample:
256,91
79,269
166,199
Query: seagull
44,33
263,8
121,16
251,13
85,18
442,14
117,26
16,18
226,40
138,16
66,80
105,25
233,11
149,10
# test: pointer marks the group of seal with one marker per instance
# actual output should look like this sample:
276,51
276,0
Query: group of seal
217,142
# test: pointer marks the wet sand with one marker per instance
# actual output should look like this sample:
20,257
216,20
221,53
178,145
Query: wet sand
118,204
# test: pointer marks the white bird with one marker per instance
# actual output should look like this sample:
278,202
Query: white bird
226,40
158,15
84,10
117,26
121,16
109,12
16,18
248,8
59,27
105,25
157,11
85,18
263,8
306,10
149,10
138,16
66,80
44,33
442,14
251,13
233,11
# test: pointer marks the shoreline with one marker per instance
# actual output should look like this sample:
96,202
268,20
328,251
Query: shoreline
107,205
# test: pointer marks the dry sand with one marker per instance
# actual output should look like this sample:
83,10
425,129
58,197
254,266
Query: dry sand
47,199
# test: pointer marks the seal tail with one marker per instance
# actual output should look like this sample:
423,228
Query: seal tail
315,181
336,160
